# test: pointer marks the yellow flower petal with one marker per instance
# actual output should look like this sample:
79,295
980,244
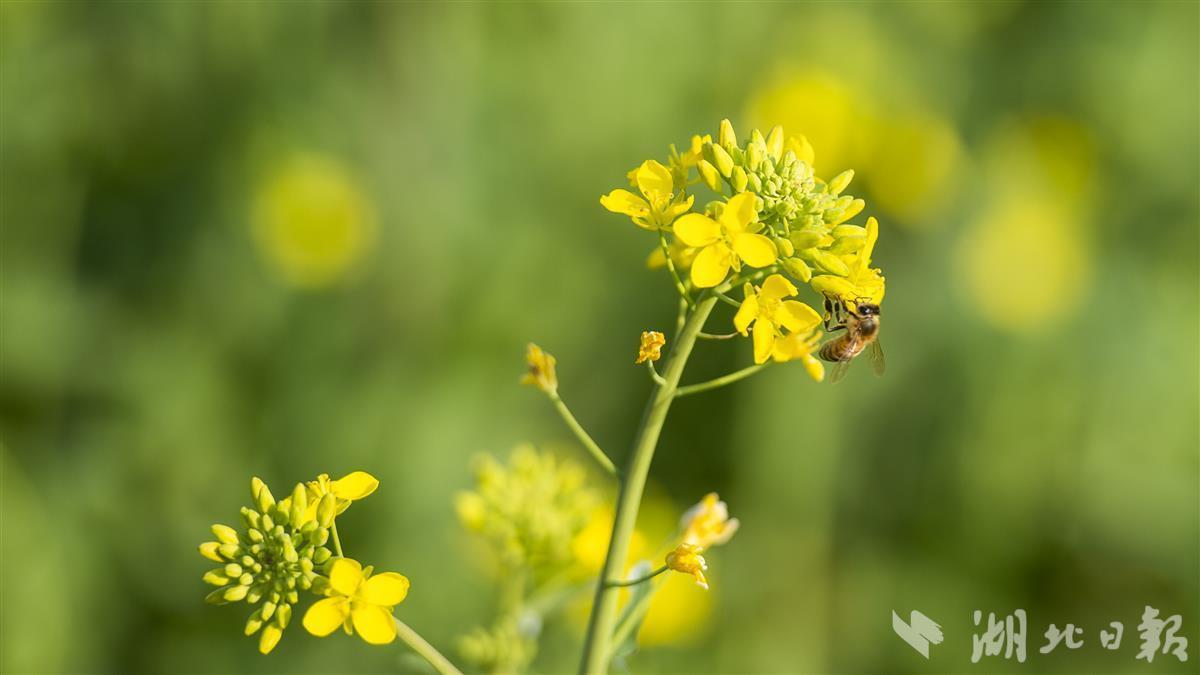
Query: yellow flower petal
355,486
326,615
374,624
777,287
711,265
755,249
739,212
798,317
872,235
695,229
746,314
387,589
764,339
654,179
625,202
345,576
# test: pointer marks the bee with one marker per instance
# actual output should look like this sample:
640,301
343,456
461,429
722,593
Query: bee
861,323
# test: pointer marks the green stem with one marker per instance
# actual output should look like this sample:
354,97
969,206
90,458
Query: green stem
725,336
425,650
597,646
662,242
727,300
654,373
720,381
631,616
641,579
337,543
594,449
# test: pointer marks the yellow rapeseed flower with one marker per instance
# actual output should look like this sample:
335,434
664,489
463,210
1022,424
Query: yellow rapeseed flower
682,255
659,204
726,242
708,524
686,559
767,310
651,347
541,369
358,602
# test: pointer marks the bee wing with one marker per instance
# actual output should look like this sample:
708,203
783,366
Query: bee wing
878,364
838,371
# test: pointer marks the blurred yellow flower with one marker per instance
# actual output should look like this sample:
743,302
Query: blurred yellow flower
660,206
651,346
1025,261
541,369
312,223
914,163
358,602
708,524
686,559
767,310
726,242
828,112
682,256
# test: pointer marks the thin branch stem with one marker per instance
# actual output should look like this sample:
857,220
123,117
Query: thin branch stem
720,381
666,250
592,448
681,316
597,647
418,644
726,299
634,582
630,617
654,373
337,543
726,336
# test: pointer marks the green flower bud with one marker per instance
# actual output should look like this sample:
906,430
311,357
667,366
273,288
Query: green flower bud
830,262
229,551
268,608
708,173
321,554
293,597
798,269
725,135
225,534
233,570
775,142
840,181
807,238
262,494
270,637
326,510
255,536
254,623
268,525
754,155
235,593
283,615
738,179
754,182
246,579
254,595
216,578
722,160
785,246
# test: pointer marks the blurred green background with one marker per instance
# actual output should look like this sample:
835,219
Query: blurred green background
281,239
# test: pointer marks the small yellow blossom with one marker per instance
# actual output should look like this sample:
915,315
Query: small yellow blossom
767,310
708,524
686,559
661,204
726,242
541,370
359,602
349,488
651,347
682,162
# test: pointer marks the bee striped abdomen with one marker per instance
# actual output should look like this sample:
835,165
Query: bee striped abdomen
841,349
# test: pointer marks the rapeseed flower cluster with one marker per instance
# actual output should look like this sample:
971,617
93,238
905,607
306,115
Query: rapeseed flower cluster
284,548
705,525
771,217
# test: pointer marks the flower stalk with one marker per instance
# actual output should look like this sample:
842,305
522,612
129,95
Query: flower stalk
427,651
599,640
718,382
592,447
